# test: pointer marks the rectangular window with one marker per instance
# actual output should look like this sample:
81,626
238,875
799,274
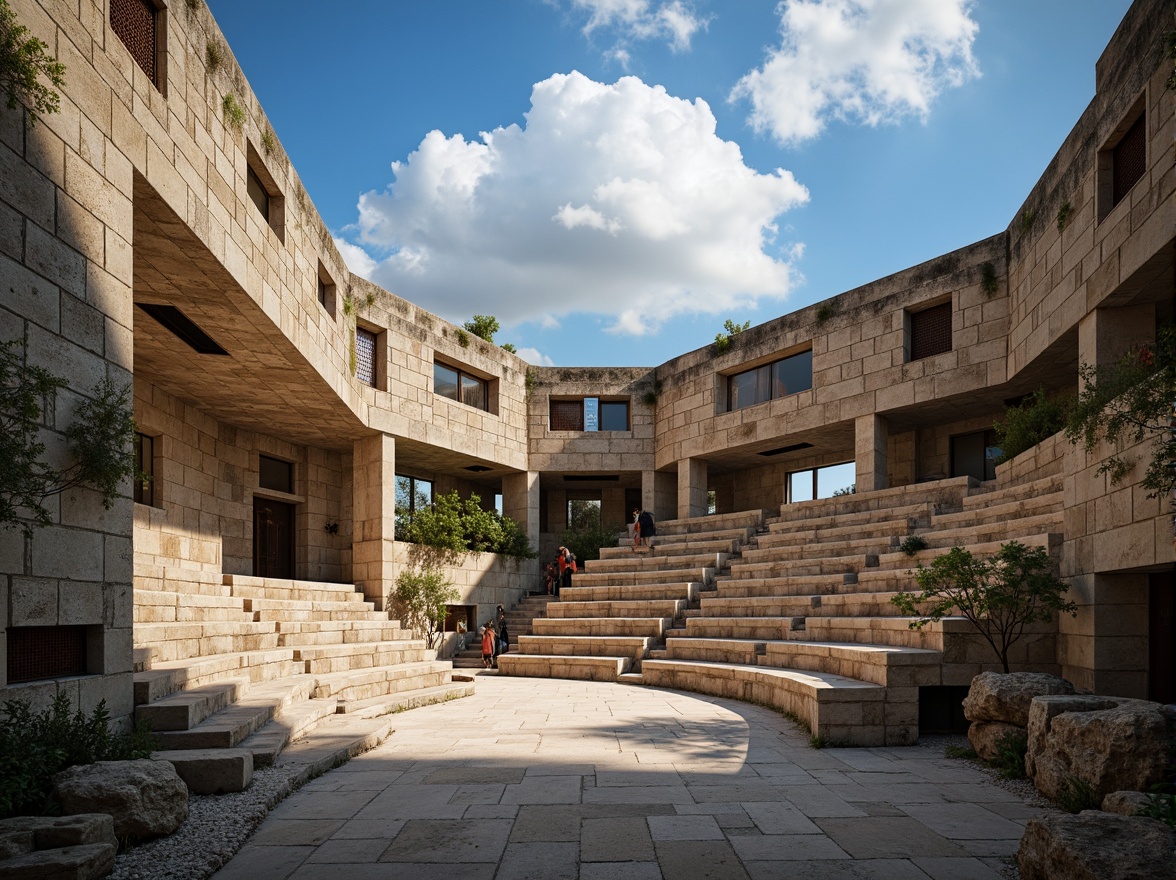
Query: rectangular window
770,381
326,290
1128,160
412,495
141,27
275,474
264,192
145,470
821,482
589,414
930,331
365,356
40,652
460,386
257,193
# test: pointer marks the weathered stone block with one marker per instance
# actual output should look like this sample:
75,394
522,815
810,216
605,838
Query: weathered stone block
145,798
1006,697
1097,846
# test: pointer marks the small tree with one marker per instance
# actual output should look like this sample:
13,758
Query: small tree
723,340
999,596
483,326
23,61
422,601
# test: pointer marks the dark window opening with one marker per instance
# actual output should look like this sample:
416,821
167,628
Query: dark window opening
183,327
365,356
275,474
975,455
589,414
257,193
456,385
770,381
273,538
326,290
931,331
136,23
1128,160
145,470
40,652
941,709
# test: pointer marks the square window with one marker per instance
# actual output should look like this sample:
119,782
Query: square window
445,381
567,415
930,331
614,415
275,474
473,392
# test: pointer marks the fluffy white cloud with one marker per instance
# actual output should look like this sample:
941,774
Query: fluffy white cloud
863,60
674,21
617,200
536,357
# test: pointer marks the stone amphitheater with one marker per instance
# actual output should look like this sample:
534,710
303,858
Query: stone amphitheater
240,598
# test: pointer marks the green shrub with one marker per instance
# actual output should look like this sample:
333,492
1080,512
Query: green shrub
23,61
453,526
482,326
1010,755
33,747
422,600
1033,420
730,331
586,537
1077,795
234,113
913,544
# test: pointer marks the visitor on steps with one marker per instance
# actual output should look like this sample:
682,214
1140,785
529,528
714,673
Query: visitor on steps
488,645
461,635
551,578
503,636
567,567
633,526
646,529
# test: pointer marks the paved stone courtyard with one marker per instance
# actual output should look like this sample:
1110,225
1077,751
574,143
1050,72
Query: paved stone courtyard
559,780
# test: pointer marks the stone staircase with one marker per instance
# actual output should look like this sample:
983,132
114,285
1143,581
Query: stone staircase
519,621
794,611
256,665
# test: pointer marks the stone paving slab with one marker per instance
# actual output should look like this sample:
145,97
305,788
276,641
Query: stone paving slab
570,780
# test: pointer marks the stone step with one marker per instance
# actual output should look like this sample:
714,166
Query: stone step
645,562
716,522
167,677
635,647
211,771
999,532
300,609
307,591
998,511
837,605
839,523
784,585
324,659
839,709
628,608
179,580
186,708
1050,485
186,641
367,684
803,534
743,627
892,666
159,606
728,541
402,701
564,666
662,576
688,591
385,632
945,494
653,627
264,702
268,740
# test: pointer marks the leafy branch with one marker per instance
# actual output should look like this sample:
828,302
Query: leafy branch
23,61
723,340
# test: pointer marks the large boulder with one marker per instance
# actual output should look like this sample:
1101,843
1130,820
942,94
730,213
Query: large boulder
1111,744
984,736
1005,697
146,798
1097,846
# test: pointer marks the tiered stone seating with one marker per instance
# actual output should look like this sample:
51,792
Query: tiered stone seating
255,663
799,616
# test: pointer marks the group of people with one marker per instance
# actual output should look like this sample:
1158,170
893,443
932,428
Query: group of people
495,639
558,574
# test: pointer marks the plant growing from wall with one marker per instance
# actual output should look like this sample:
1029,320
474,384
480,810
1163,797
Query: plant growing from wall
352,305
463,339
826,312
234,113
912,544
1064,214
33,747
482,326
213,56
24,60
1131,401
999,596
269,143
509,346
651,395
99,440
731,330
422,599
1028,423
1027,218
988,280
531,379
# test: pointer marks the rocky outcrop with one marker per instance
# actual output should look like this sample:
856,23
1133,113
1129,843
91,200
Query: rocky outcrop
984,736
1124,803
76,847
1111,744
1005,697
1097,846
145,798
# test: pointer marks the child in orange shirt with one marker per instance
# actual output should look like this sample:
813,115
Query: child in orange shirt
488,645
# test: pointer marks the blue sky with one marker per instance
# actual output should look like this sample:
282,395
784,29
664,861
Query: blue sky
654,167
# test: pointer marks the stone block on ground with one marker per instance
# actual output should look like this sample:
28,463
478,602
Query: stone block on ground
1097,846
1124,803
996,696
145,798
211,771
984,736
1112,744
91,860
25,834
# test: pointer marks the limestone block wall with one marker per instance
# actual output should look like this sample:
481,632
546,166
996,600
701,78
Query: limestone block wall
859,361
206,475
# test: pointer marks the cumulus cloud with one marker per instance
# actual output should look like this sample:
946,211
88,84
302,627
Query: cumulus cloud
618,200
869,61
536,357
674,21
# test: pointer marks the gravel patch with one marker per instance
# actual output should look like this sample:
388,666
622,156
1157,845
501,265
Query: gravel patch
217,826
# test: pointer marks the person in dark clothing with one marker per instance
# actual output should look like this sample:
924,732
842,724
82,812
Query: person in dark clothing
646,529
503,635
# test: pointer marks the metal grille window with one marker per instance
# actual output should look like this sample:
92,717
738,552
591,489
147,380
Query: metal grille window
39,652
778,379
1128,160
931,331
567,415
134,21
452,383
145,469
365,356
